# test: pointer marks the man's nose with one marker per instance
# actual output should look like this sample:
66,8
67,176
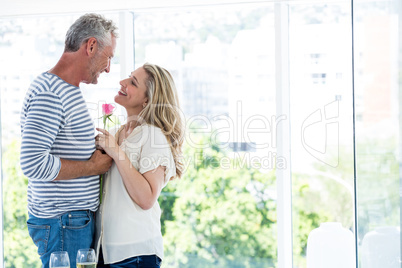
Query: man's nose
108,67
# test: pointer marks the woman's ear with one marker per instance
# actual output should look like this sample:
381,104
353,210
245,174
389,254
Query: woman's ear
145,103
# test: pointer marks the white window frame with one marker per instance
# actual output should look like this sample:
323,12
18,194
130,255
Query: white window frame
1,196
283,176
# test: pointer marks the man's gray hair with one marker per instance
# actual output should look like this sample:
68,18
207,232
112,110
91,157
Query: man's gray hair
87,26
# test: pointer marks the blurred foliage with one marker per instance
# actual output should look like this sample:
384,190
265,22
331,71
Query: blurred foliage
19,250
213,217
377,170
219,216
226,217
308,212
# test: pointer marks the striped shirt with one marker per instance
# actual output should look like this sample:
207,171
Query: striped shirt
55,123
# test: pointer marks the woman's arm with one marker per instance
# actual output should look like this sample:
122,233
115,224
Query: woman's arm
144,189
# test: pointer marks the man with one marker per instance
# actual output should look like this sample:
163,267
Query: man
58,148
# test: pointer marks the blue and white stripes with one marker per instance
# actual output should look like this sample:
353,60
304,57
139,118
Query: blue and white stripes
55,123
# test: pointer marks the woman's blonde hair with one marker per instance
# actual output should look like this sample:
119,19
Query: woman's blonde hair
163,110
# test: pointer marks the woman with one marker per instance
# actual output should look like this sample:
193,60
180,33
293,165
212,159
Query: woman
146,153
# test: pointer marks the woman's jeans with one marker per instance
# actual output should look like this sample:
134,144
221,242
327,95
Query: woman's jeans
144,261
69,232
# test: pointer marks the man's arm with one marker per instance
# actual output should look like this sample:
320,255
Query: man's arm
98,164
44,119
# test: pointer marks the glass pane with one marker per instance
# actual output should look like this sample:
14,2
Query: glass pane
321,114
30,46
222,213
378,79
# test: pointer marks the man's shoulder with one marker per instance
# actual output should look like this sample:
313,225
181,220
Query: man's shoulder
39,86
40,82
50,84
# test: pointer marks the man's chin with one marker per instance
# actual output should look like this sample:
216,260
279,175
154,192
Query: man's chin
94,82
95,79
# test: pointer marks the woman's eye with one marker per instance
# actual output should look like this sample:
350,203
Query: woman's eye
132,82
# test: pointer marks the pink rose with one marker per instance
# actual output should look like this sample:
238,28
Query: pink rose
107,109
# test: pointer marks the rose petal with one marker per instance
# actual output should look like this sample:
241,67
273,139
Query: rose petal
107,109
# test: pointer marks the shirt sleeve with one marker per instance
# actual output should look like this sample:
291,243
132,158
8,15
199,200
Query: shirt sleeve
156,152
43,120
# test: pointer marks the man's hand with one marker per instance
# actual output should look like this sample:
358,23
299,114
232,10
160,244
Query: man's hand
100,163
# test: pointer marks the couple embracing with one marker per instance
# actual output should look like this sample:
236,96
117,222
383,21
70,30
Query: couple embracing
63,161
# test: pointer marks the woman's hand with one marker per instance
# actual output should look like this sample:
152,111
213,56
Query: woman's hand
105,141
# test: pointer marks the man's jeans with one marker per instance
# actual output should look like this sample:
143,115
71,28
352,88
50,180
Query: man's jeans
69,232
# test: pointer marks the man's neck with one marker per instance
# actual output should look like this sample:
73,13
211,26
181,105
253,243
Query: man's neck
70,68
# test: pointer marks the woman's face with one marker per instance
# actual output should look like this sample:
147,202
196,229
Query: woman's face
132,94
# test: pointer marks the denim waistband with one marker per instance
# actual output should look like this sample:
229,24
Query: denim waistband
73,212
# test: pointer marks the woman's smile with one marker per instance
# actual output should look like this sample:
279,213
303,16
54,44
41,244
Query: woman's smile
122,93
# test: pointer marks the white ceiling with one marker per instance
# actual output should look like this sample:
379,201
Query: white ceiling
10,8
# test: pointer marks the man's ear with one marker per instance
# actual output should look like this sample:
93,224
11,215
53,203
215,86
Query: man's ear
92,45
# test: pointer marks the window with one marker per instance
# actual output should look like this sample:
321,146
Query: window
268,91
227,99
378,136
321,121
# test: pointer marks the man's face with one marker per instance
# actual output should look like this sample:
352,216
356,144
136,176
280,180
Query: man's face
101,62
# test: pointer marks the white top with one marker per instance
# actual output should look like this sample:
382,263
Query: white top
123,228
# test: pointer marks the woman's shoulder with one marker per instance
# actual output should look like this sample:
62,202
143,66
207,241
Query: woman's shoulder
152,130
155,134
